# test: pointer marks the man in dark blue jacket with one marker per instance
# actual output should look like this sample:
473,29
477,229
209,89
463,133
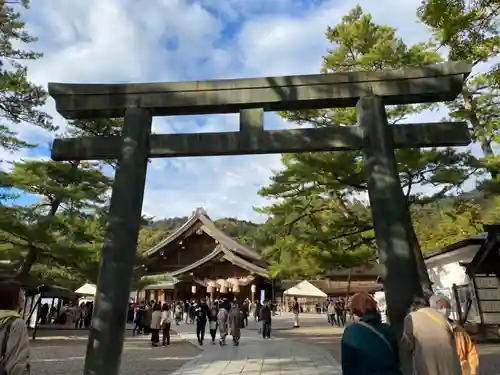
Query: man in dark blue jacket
201,312
266,319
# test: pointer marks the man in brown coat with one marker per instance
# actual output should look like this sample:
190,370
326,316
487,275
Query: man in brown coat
428,343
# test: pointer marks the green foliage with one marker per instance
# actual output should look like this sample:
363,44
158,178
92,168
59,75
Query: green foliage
438,226
148,237
319,220
20,100
469,30
451,220
61,229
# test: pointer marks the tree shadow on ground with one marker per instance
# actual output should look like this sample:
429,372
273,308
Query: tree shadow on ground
327,338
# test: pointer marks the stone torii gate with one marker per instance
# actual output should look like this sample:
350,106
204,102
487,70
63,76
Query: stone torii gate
369,92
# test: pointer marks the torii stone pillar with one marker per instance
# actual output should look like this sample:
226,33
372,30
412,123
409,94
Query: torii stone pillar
119,249
392,225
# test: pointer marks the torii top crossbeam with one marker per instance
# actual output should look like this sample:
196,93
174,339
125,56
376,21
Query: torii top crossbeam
432,83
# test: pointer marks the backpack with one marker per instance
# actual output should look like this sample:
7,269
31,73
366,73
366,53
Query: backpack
6,327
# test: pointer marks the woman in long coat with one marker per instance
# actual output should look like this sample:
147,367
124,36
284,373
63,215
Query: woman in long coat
235,323
222,318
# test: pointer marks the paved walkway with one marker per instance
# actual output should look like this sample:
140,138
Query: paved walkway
256,356
63,355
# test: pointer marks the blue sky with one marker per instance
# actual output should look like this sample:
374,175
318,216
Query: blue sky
174,40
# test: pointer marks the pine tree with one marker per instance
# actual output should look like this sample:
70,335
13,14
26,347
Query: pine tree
322,218
470,30
61,228
20,100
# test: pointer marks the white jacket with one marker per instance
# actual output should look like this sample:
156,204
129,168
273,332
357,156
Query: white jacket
155,320
330,309
166,317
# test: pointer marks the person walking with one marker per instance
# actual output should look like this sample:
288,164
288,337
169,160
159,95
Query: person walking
212,322
339,308
223,321
178,313
15,347
428,343
235,323
155,324
138,320
330,311
186,310
146,318
266,319
201,317
296,311
258,306
368,346
466,350
166,323
245,309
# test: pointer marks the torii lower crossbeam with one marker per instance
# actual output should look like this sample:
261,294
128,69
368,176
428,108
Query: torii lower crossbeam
335,138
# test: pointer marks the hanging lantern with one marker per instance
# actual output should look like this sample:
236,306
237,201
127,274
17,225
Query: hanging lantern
223,289
236,288
210,288
253,288
193,289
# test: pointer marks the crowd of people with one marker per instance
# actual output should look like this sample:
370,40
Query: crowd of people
71,315
430,344
223,316
336,311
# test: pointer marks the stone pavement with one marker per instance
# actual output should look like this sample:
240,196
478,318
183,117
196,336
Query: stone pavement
65,355
256,356
314,348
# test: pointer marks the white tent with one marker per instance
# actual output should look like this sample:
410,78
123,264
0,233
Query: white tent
305,289
86,290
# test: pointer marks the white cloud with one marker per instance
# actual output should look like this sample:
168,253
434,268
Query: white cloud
161,40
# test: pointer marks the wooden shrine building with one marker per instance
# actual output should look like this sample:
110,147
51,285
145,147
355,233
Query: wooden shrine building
205,262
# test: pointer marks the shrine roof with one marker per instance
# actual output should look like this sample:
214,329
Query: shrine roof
221,251
207,226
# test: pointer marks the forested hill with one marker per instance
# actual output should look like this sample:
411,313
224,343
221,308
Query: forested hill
231,226
156,230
